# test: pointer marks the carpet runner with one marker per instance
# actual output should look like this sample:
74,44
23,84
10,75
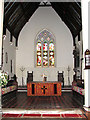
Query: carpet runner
65,113
43,115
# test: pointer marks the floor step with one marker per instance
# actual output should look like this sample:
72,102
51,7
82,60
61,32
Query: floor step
43,116
67,89
57,113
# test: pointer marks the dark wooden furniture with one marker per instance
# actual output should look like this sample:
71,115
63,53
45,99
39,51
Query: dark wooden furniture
9,94
9,91
44,88
78,90
61,78
29,76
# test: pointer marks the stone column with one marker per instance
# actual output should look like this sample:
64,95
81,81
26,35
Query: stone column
86,45
1,32
89,49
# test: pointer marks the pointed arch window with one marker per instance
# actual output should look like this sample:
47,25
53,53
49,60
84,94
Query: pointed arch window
45,49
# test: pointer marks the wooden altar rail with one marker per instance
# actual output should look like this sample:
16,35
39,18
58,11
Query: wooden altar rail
44,89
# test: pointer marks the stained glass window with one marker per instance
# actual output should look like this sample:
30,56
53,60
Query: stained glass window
45,49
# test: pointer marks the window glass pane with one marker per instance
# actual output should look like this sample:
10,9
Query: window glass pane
51,54
39,54
51,61
38,46
45,54
45,46
45,61
38,60
51,46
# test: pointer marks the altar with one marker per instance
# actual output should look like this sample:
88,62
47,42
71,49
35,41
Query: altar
48,88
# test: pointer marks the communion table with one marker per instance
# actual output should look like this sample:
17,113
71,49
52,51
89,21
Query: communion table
44,88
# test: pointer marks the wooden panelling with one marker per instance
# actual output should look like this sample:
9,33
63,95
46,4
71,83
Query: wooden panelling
44,89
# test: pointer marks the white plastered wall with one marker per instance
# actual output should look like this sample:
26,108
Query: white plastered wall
11,55
44,18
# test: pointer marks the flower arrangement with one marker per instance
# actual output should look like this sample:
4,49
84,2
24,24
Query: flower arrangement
3,78
44,76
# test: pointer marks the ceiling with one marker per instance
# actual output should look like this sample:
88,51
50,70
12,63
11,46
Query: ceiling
17,14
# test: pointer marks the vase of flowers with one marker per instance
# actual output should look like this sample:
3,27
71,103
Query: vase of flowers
3,79
44,77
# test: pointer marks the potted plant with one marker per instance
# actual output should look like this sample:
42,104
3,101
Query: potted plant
3,79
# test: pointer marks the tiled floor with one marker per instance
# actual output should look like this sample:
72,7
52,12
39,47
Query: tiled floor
21,100
28,104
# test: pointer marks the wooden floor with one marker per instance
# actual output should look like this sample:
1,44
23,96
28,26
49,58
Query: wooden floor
21,100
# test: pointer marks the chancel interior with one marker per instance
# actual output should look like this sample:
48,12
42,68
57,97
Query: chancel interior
42,53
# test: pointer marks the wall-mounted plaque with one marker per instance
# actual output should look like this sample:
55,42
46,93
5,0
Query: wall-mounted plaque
87,59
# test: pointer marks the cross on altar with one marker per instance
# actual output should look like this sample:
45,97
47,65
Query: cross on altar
43,89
